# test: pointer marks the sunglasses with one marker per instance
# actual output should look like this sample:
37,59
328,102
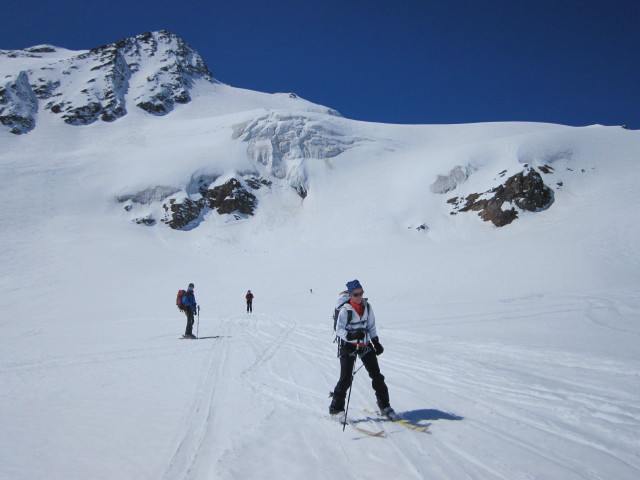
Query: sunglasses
357,294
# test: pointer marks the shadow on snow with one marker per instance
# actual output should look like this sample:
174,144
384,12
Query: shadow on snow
417,417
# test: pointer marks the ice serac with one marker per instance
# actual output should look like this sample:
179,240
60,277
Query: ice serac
18,104
279,143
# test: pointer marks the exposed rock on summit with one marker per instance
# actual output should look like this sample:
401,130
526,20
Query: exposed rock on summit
153,71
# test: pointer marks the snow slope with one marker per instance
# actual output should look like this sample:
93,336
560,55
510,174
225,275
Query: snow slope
518,346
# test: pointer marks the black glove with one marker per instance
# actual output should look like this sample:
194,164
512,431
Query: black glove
377,346
355,335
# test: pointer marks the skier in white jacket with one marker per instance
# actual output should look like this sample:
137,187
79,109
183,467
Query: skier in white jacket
357,336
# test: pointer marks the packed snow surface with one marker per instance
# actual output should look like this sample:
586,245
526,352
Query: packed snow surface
517,346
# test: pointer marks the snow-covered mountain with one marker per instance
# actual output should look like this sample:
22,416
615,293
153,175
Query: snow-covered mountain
157,70
153,71
501,260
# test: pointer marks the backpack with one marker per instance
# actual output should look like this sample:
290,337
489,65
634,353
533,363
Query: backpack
336,313
179,304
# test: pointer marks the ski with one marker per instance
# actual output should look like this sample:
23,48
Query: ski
370,433
198,338
379,434
396,419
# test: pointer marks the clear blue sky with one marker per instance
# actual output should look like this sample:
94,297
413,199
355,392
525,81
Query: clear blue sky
575,62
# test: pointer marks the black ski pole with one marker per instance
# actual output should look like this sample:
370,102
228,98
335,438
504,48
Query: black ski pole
346,412
198,326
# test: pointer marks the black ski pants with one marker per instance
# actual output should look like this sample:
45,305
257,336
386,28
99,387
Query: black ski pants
190,319
370,361
249,305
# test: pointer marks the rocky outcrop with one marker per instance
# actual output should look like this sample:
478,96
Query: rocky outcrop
179,215
155,71
103,98
178,66
149,221
257,183
18,104
185,209
524,191
230,198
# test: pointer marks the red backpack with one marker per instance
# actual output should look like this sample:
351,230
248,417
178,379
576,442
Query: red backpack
179,300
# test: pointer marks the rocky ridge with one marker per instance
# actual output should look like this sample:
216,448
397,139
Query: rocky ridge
153,71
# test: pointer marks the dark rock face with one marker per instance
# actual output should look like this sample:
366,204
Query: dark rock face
524,191
528,191
187,210
180,214
18,105
148,221
231,197
179,65
256,183
17,124
104,98
41,49
45,89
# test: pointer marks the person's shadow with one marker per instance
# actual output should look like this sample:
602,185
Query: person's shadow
415,416
420,418
428,415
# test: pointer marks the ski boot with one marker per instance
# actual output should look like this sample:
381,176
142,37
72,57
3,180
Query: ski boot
389,413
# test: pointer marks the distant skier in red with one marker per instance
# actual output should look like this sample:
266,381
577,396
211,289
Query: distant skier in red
249,297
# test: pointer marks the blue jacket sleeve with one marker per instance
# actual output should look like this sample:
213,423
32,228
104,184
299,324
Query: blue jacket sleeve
189,301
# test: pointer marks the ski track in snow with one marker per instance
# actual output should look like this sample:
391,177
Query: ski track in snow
541,416
262,389
200,418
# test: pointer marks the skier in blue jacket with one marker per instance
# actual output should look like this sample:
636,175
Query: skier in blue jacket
190,306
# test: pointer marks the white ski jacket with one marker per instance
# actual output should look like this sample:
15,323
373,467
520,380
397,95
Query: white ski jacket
367,322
